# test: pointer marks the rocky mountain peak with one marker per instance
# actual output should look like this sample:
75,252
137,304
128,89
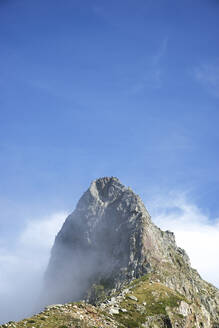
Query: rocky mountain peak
110,240
104,191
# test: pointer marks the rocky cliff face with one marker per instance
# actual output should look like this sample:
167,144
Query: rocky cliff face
110,240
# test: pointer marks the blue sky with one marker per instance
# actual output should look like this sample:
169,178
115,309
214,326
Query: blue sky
97,88
93,88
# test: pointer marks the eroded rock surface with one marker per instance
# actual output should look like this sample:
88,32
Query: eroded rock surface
110,240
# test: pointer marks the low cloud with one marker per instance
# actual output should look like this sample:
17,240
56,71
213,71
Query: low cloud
23,265
194,231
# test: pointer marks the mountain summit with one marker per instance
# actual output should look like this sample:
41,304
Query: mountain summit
108,242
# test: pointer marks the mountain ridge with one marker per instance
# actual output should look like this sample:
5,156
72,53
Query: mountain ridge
110,218
110,254
115,241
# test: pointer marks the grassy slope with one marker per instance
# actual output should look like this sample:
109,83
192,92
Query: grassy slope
74,315
153,299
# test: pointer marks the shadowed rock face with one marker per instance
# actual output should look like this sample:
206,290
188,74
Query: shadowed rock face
110,239
108,236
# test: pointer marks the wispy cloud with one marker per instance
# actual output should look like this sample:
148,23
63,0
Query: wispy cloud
156,59
152,71
23,266
151,79
194,230
208,76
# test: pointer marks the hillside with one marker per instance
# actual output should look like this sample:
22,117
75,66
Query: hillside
127,271
146,302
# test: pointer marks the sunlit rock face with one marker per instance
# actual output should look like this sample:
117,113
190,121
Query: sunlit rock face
108,241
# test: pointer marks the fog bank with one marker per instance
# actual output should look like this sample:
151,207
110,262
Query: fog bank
22,266
195,231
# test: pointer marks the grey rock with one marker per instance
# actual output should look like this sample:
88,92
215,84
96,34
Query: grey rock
108,241
53,306
114,311
133,298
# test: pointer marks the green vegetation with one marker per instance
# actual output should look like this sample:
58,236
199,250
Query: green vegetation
107,283
148,300
72,315
152,299
96,293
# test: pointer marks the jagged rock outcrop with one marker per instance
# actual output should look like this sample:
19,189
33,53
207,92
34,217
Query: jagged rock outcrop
110,240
